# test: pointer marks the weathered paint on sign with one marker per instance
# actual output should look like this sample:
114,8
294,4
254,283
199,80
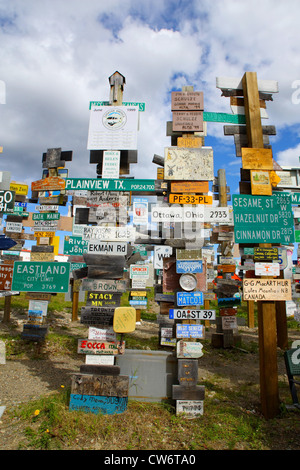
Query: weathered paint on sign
189,164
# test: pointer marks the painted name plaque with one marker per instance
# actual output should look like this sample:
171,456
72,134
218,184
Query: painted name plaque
189,298
41,276
97,404
110,285
267,289
189,164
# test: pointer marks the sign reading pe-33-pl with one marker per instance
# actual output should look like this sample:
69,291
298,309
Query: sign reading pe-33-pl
263,219
41,276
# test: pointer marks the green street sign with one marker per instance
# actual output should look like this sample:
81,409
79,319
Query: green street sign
263,219
224,117
99,184
75,245
46,216
41,276
125,103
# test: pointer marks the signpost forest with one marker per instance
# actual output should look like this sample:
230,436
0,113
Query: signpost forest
123,242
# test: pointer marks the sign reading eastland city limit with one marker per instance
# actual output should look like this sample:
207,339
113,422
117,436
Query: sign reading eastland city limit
263,219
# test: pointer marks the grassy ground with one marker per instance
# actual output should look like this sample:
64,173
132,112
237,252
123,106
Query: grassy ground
231,418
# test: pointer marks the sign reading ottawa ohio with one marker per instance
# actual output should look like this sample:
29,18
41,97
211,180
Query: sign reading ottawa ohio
263,219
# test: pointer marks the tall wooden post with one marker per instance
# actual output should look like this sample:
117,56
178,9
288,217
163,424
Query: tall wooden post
266,310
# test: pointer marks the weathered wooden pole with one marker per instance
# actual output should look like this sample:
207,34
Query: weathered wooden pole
266,310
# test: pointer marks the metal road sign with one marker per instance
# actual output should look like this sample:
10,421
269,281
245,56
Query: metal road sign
41,276
94,184
263,219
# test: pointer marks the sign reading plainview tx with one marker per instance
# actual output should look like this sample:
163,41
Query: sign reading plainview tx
41,276
263,219
94,184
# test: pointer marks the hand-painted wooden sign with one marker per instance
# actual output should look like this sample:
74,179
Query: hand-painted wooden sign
189,408
190,199
103,299
41,276
110,285
100,385
191,314
257,159
260,182
187,121
189,164
48,184
94,184
189,186
188,349
189,298
187,100
263,219
124,319
97,404
267,289
18,188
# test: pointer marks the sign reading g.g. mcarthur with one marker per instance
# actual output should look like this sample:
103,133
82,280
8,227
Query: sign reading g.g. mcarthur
41,276
263,219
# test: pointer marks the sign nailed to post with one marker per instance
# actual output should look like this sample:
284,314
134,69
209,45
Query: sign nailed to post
41,276
263,219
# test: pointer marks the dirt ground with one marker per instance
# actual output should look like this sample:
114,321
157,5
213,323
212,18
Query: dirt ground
25,379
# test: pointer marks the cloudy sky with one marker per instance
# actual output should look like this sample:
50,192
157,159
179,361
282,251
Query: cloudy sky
56,57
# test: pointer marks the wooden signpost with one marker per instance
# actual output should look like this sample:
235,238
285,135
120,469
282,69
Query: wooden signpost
250,88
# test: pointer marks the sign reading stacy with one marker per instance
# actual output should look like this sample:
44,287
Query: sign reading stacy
263,219
41,276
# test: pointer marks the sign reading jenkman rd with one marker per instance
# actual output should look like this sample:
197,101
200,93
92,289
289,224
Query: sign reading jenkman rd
263,219
41,276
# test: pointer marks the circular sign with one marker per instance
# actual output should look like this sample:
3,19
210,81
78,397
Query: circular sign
188,281
114,119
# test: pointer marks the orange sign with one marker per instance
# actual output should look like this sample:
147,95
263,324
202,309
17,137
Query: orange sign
190,199
189,187
52,183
